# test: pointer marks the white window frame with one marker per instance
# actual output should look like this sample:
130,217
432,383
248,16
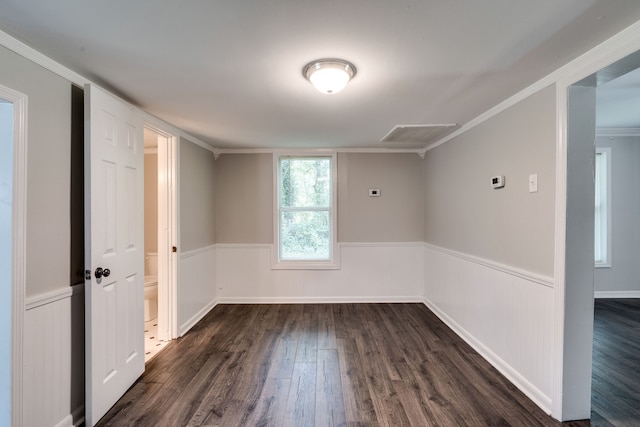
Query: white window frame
602,182
334,261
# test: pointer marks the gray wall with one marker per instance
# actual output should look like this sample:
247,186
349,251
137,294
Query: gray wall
508,225
397,215
624,274
244,198
196,197
48,255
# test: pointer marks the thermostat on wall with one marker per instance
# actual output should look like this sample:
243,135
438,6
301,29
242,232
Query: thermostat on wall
497,181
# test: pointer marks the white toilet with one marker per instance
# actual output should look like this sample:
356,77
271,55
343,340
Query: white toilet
151,287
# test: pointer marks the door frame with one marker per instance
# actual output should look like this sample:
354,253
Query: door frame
571,318
167,233
19,258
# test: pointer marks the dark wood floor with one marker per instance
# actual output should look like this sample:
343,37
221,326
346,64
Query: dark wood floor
615,394
323,365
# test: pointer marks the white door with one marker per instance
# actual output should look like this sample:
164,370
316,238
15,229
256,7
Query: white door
114,209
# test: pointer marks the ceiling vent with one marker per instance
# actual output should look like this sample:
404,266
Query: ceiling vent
418,134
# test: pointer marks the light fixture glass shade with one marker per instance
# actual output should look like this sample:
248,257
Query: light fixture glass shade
329,75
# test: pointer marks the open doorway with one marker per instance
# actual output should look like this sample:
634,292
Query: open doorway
615,394
13,161
6,226
582,249
160,237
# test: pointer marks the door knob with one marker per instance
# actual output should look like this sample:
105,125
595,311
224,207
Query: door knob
100,272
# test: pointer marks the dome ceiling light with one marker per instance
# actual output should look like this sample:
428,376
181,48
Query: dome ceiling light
329,75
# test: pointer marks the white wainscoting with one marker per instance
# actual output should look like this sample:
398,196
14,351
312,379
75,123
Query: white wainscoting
370,272
196,286
54,358
505,313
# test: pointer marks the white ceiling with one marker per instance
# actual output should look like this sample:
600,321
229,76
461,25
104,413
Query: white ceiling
618,103
230,71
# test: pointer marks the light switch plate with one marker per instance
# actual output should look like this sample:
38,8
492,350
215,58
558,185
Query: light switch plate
533,183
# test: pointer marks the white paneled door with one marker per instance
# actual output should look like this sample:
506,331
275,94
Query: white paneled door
114,252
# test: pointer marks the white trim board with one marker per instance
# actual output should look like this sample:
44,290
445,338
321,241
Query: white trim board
321,300
191,322
315,151
20,103
616,294
44,61
618,132
53,296
514,271
195,252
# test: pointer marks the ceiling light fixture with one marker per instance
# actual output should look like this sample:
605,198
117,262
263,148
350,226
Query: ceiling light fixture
329,75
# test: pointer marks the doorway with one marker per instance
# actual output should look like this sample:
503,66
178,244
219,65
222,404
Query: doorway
13,116
160,237
579,252
6,207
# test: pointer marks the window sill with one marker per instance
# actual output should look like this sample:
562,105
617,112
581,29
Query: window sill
333,264
602,265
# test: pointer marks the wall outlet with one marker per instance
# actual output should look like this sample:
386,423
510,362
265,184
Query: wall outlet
374,192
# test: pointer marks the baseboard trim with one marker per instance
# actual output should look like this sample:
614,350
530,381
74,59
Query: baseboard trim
532,392
186,326
320,300
65,422
616,294
74,419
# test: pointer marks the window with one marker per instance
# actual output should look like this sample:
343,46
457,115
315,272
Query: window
305,232
602,217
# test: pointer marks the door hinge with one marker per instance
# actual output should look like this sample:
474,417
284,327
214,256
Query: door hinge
87,275
174,249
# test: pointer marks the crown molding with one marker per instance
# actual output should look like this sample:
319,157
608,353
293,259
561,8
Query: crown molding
607,52
217,152
618,132
55,67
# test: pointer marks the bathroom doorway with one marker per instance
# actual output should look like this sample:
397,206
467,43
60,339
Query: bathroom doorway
160,240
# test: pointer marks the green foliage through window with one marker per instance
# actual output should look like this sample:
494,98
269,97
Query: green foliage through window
305,208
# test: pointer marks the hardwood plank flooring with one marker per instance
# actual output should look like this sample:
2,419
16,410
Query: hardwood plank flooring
615,394
323,365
